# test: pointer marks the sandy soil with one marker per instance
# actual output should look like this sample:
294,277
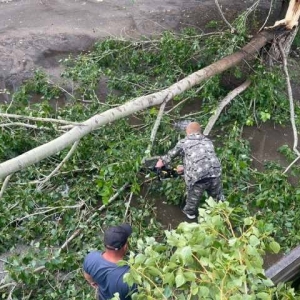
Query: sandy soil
35,32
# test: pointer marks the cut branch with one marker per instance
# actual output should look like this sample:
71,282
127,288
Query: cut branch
223,103
37,154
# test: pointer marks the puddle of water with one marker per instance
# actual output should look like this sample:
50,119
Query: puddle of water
264,144
265,141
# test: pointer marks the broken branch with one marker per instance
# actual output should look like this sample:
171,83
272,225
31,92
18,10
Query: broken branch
70,153
232,30
14,116
4,185
223,103
155,127
292,108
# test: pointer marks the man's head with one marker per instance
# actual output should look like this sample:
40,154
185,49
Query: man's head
193,127
115,237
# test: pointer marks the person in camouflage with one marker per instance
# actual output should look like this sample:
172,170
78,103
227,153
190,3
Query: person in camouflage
201,166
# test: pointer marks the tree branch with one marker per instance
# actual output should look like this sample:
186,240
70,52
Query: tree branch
232,29
70,153
46,210
127,206
58,121
223,103
155,128
4,185
292,108
268,16
3,125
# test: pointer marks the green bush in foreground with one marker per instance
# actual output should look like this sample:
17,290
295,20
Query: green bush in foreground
215,259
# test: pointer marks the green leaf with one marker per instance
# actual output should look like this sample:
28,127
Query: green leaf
274,246
140,258
180,280
254,241
169,278
263,296
186,253
248,221
168,292
203,291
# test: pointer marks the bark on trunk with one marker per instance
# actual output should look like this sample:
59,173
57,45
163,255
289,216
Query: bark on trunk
35,155
286,39
291,11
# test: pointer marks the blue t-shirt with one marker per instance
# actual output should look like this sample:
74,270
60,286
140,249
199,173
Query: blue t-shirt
108,276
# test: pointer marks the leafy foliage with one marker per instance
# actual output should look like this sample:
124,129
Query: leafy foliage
209,260
43,219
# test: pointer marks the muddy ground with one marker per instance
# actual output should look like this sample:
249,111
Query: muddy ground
36,33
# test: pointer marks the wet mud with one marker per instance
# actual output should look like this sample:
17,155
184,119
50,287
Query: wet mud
37,33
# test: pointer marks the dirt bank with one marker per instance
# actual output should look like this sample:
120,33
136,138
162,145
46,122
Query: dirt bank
35,33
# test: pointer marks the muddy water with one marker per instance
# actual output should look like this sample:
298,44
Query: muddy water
265,142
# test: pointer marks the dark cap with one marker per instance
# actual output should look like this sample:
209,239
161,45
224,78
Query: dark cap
115,237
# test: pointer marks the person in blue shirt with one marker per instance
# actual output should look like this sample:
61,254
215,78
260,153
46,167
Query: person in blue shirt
101,269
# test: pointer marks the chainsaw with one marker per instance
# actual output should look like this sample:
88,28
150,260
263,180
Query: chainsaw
161,173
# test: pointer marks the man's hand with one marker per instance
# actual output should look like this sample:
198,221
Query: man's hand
159,164
94,285
180,169
90,280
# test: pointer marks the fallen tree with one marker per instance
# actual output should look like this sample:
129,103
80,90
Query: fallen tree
281,28
76,133
141,103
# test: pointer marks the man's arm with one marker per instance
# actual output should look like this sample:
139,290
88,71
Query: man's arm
90,280
166,159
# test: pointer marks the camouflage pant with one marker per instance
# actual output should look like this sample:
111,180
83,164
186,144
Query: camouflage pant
213,186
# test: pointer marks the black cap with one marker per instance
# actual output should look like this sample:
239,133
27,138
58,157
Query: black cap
115,237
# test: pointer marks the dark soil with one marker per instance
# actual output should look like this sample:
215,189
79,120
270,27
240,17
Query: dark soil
37,33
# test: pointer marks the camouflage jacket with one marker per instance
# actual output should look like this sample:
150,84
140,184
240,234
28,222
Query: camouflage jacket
199,158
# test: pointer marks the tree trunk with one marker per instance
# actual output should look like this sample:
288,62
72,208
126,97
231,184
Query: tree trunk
35,155
292,13
286,39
